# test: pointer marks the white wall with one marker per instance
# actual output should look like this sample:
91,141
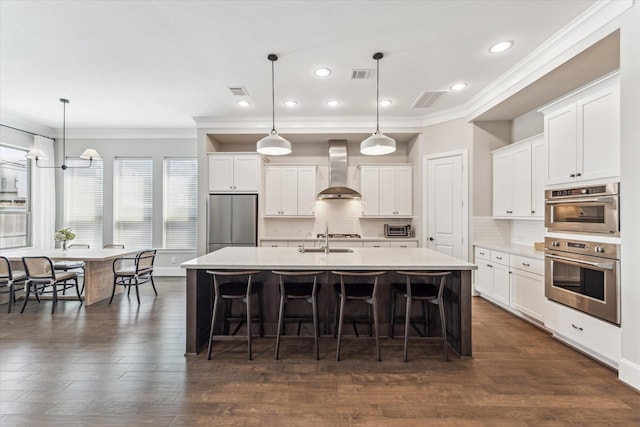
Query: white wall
527,125
629,369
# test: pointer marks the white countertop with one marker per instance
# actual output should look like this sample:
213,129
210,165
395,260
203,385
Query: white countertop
98,254
512,248
343,239
371,259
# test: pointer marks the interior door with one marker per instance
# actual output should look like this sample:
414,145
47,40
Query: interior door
445,205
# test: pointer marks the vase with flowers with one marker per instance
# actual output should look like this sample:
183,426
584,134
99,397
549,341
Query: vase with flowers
64,235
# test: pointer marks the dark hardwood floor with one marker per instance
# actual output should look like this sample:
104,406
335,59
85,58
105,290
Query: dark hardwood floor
123,365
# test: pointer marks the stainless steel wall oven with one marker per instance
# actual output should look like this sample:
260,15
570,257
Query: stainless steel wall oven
589,210
584,275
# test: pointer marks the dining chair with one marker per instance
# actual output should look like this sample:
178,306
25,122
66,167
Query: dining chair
298,286
425,287
134,271
41,275
357,286
75,266
235,286
9,278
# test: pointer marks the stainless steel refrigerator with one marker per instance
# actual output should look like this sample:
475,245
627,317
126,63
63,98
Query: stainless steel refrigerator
233,220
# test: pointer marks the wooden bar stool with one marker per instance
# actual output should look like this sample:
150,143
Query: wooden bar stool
228,286
301,286
359,286
418,286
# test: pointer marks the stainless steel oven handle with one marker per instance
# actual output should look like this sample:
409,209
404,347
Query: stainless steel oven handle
608,199
603,265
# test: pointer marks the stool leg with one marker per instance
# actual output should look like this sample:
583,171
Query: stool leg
260,311
444,330
280,318
316,327
55,297
213,324
374,303
425,314
248,302
340,327
26,298
407,320
78,291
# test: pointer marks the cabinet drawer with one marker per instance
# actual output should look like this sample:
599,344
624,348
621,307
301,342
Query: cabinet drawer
535,266
403,244
593,335
375,244
482,253
500,257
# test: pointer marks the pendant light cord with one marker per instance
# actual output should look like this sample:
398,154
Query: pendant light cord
64,127
273,98
377,95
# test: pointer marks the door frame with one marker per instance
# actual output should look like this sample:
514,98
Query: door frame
464,155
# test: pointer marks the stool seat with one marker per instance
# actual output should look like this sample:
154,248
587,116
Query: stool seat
298,285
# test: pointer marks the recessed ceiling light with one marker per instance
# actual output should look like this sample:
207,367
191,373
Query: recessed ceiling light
244,104
385,102
500,46
458,86
322,72
290,103
333,103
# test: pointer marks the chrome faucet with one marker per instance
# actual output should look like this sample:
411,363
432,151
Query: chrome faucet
326,238
301,248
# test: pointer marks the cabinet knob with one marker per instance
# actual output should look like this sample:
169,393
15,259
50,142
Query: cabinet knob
431,240
578,174
499,257
533,212
576,327
572,175
526,265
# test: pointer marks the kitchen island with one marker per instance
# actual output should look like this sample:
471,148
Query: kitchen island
199,284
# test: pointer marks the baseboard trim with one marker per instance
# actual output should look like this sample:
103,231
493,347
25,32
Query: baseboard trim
629,373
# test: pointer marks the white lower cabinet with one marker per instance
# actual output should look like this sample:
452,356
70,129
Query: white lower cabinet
595,337
513,281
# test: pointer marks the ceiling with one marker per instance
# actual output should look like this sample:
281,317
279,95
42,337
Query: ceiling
159,64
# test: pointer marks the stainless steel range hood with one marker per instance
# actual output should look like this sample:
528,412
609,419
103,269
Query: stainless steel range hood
338,173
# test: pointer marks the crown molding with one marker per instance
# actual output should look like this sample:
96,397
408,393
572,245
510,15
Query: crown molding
129,133
562,46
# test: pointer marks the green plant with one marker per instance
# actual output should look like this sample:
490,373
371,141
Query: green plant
64,234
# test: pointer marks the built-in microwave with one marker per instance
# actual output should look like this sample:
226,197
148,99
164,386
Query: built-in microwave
593,209
397,230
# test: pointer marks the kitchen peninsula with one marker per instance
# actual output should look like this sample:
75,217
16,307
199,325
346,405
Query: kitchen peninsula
199,286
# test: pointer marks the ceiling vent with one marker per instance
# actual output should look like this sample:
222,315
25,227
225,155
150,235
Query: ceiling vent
362,74
238,90
427,98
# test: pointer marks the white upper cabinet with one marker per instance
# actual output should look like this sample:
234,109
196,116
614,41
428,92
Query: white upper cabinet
513,180
582,133
234,173
538,175
386,190
290,190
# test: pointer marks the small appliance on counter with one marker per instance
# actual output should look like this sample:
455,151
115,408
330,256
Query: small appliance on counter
397,230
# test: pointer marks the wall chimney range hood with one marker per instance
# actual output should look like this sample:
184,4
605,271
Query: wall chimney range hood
338,173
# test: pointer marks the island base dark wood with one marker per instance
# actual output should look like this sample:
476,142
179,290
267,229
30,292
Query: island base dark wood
457,308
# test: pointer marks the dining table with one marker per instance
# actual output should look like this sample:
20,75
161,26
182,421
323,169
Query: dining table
98,270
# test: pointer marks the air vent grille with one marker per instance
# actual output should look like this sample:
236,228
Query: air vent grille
362,74
427,98
238,90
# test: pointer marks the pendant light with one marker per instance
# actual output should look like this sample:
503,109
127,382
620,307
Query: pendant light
88,154
378,143
273,144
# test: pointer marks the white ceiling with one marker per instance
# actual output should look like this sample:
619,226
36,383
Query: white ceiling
158,64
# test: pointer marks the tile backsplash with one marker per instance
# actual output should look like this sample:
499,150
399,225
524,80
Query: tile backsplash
527,232
489,229
342,216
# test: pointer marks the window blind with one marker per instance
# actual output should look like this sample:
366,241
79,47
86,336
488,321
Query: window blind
83,201
133,202
180,203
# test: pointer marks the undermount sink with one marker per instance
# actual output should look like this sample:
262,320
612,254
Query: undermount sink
331,250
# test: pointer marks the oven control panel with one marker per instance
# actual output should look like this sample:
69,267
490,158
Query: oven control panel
599,249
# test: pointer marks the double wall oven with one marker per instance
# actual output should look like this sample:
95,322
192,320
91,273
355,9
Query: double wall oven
584,272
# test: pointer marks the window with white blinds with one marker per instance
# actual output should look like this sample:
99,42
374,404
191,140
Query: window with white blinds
83,201
133,202
180,203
